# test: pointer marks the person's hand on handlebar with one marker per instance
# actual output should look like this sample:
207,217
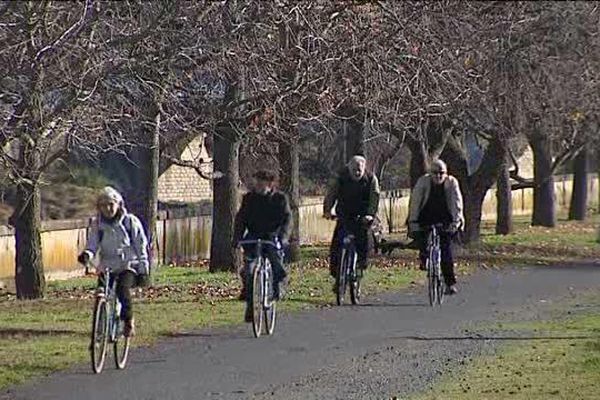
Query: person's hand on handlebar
84,258
367,219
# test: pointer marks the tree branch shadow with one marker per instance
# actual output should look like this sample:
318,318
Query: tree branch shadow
494,338
28,332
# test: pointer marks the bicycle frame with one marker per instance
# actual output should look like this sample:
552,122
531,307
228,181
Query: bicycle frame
348,274
110,294
263,263
433,244
349,249
434,271
260,277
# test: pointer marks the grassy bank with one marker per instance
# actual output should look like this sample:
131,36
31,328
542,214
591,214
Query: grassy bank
562,359
563,362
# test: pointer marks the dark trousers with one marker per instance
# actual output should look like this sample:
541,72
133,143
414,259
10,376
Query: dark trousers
361,241
447,256
125,282
274,256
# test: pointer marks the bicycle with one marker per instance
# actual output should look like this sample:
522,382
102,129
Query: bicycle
108,327
263,302
347,271
433,266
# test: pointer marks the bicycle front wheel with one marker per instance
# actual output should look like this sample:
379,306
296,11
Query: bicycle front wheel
121,348
440,285
341,279
99,335
270,305
258,292
355,284
432,283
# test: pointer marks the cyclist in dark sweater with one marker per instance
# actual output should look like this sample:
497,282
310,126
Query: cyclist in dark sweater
436,199
264,214
355,194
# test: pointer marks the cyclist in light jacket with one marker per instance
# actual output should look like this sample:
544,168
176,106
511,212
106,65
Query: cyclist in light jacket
121,242
436,199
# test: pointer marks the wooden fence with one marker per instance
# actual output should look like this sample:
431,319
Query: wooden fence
185,236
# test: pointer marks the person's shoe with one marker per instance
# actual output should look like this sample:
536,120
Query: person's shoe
243,294
413,245
248,314
452,289
278,291
129,328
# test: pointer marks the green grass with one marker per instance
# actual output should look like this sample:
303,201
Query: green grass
549,367
42,336
564,363
569,241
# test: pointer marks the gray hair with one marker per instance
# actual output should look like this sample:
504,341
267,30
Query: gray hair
111,194
357,159
438,164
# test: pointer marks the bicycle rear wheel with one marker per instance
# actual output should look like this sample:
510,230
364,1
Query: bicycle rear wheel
257,299
99,335
341,279
270,305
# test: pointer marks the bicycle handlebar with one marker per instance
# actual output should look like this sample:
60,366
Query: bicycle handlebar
440,227
91,266
261,241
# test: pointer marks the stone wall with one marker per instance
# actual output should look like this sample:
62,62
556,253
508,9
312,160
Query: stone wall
182,184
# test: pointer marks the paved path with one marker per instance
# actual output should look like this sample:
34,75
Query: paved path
393,344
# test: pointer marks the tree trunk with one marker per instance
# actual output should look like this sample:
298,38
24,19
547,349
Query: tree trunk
473,205
598,171
226,147
419,160
504,218
544,196
354,137
149,213
29,274
289,162
352,131
475,184
578,206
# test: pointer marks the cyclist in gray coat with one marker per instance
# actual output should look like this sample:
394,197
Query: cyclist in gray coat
119,239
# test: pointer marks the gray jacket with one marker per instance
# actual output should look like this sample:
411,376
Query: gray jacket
420,195
122,244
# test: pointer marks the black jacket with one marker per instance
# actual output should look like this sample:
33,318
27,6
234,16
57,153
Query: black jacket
263,216
353,198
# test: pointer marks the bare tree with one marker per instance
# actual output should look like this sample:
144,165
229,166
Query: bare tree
49,71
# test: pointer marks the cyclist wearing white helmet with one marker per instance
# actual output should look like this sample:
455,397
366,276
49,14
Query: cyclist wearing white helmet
119,239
